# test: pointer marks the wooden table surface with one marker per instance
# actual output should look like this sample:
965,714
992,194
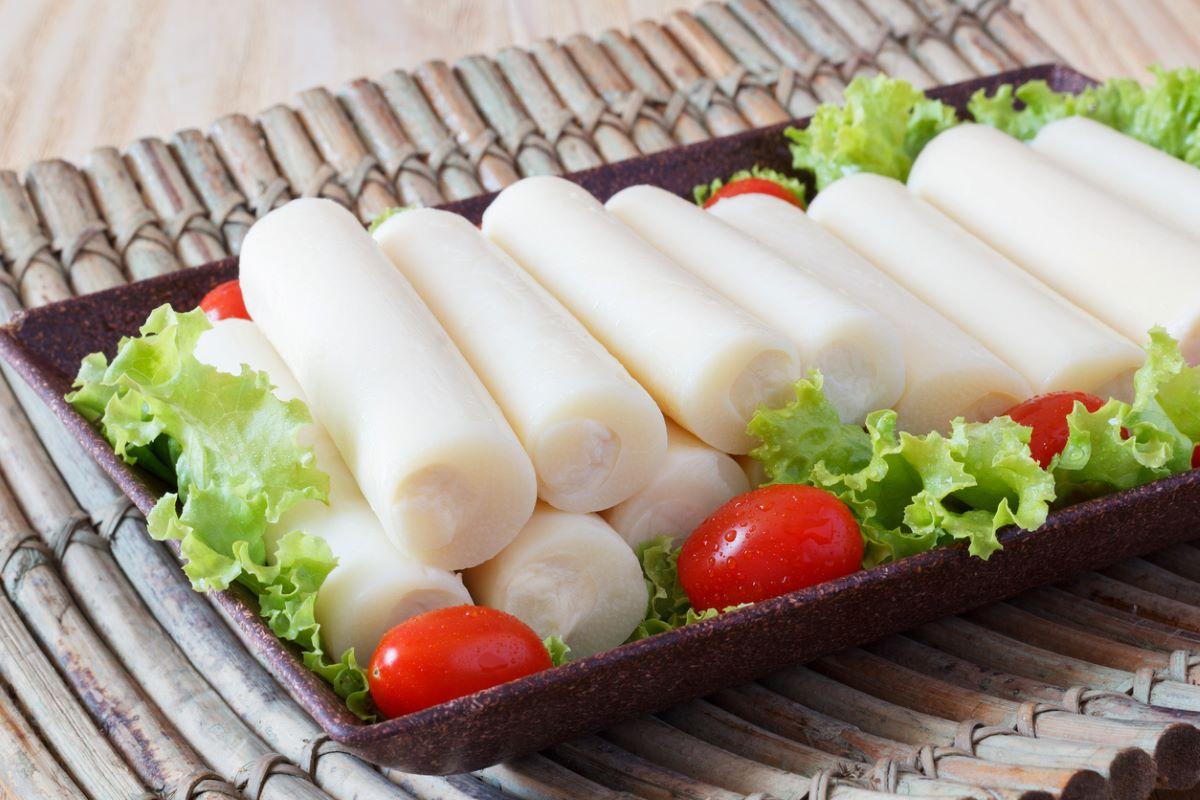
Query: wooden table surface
76,74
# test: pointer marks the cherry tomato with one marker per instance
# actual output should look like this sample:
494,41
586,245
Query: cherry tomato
225,302
1047,415
754,186
769,542
1196,456
451,652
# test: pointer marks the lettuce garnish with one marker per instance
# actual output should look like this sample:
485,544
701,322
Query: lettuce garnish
228,445
560,651
881,127
911,493
703,192
1165,115
884,123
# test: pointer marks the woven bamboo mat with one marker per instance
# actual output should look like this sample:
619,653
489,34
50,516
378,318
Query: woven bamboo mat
123,683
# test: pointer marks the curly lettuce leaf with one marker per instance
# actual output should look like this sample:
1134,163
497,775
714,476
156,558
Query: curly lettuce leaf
807,432
560,651
230,448
703,192
909,493
1122,445
1165,115
385,215
668,606
881,127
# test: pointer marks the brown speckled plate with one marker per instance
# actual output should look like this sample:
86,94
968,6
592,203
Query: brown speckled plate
46,346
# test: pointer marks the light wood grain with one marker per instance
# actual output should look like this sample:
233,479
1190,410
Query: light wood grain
77,74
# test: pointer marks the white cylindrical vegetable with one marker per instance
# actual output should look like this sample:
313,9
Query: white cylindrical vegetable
1163,186
694,481
430,450
947,372
1052,342
595,436
374,586
567,575
1098,251
707,363
854,347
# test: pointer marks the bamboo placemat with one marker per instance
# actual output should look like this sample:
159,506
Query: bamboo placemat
122,682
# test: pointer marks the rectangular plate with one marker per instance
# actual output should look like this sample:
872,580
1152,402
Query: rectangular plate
47,344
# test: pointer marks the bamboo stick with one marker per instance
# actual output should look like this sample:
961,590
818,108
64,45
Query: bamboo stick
969,675
415,182
787,718
536,777
239,141
657,741
27,768
197,240
456,175
822,77
451,787
687,124
734,79
611,133
900,18
820,33
1056,604
306,172
357,170
1151,577
54,709
33,267
1048,635
493,165
1175,747
134,228
161,758
1130,772
860,26
730,732
635,91
977,48
557,124
78,236
607,764
500,107
894,60
226,205
702,93
1009,29
937,57
47,701
974,643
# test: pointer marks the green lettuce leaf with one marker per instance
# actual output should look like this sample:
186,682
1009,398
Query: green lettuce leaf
909,493
668,606
881,127
704,191
1165,115
1122,445
229,446
384,216
560,651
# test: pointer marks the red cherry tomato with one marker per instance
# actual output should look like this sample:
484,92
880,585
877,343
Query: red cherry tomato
1047,415
225,302
754,186
451,652
769,542
1196,456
